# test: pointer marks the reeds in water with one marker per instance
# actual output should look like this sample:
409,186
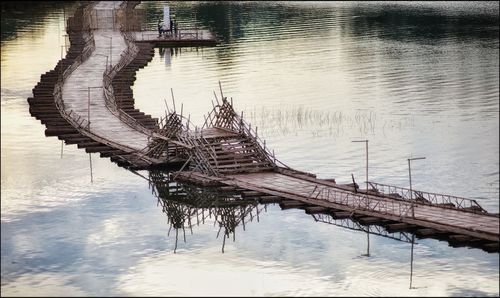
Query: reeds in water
299,119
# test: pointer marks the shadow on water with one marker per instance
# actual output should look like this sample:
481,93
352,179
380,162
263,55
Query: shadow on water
423,23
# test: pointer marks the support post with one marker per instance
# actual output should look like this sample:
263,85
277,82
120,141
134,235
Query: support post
88,109
411,260
411,190
91,177
111,51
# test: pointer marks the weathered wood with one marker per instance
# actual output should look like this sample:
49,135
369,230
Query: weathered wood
316,210
52,132
491,247
370,220
250,193
89,144
270,199
426,232
97,149
79,140
110,153
340,214
288,204
399,227
459,238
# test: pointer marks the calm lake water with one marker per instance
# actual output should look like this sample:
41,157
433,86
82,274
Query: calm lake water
415,79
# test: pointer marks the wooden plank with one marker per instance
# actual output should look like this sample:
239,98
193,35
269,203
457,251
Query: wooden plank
426,232
459,238
270,199
371,220
52,132
288,204
400,227
316,210
250,193
70,141
89,144
252,164
491,247
340,214
97,149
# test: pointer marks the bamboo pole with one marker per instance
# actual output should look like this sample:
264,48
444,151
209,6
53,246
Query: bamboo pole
91,177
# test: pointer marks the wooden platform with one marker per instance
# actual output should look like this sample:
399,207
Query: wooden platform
183,38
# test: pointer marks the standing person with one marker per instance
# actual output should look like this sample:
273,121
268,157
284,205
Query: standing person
175,28
159,29
171,26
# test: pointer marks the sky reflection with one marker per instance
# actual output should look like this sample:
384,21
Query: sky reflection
432,91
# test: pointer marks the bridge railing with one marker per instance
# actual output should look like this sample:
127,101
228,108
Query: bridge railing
362,202
75,119
442,200
110,99
89,47
184,34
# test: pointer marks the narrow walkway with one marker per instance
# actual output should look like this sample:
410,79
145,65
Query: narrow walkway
90,74
308,190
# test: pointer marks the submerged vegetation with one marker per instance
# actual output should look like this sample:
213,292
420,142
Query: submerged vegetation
304,120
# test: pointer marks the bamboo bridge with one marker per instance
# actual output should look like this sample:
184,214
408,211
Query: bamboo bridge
87,100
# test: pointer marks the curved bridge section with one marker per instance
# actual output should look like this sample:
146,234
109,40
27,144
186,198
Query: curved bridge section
87,99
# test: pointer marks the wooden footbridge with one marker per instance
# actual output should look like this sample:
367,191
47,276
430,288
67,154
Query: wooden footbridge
87,100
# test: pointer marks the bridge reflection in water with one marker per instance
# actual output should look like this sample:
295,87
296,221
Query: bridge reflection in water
187,205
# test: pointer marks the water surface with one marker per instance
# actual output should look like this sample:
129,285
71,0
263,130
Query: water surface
415,79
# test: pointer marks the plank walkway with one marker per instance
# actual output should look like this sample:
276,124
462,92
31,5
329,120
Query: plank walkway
225,151
87,99
109,43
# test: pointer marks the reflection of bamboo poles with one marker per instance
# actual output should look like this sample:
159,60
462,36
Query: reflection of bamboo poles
183,204
354,225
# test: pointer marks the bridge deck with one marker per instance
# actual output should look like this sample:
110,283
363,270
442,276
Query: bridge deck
90,74
315,192
291,185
